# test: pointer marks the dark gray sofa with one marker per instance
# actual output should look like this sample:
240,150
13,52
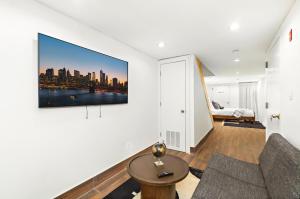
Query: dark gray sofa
277,176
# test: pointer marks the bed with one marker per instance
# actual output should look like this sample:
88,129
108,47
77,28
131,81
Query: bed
233,114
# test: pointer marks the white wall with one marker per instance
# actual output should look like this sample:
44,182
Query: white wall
202,119
220,94
289,71
45,152
225,94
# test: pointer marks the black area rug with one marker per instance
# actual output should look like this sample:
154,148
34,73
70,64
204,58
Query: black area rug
255,125
126,190
196,172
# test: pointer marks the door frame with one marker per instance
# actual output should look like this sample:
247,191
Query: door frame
275,43
188,111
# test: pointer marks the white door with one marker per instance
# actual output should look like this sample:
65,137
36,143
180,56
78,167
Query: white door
273,91
173,104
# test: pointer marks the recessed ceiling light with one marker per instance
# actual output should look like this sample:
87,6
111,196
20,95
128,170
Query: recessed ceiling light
161,44
237,73
234,26
237,60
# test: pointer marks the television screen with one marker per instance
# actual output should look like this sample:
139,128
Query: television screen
70,75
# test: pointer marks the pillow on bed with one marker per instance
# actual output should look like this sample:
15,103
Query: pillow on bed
216,105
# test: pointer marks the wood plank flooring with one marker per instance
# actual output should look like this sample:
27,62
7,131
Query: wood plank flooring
241,143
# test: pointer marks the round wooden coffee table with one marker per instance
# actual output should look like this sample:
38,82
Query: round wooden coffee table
143,170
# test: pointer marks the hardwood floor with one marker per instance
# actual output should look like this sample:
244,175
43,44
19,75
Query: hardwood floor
241,143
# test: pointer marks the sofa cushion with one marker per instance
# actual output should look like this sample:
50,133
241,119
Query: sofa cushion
280,165
243,171
216,185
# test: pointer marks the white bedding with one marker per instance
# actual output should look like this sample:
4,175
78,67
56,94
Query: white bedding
231,111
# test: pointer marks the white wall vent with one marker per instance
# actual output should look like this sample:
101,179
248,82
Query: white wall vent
173,139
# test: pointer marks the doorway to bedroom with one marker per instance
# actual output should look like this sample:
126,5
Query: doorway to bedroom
237,102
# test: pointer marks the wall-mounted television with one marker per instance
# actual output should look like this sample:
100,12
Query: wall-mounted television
71,75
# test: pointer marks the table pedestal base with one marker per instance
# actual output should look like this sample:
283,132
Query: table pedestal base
158,192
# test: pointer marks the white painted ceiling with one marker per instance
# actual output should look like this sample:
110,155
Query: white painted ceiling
187,26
